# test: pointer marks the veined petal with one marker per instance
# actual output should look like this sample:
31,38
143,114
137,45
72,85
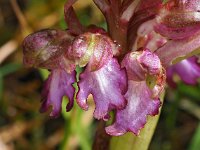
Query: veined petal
188,70
58,84
178,19
193,5
134,116
107,85
177,33
175,49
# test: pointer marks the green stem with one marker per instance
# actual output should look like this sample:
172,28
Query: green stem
82,131
195,143
131,142
66,136
1,88
67,127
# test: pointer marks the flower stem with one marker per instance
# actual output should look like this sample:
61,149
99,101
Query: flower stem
102,139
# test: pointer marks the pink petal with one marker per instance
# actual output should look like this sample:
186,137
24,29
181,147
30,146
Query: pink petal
188,5
134,116
188,70
107,85
176,33
58,84
178,19
178,48
193,5
140,63
148,38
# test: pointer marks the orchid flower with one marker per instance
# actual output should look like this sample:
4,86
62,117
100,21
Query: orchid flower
124,68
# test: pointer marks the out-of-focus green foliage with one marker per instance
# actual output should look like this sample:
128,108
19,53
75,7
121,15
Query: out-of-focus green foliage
195,143
6,70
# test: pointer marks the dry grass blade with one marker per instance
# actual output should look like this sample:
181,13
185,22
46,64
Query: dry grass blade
21,18
7,49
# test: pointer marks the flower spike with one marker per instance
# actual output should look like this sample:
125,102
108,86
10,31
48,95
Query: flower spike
124,67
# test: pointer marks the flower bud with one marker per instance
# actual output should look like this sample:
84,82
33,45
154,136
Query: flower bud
47,48
93,49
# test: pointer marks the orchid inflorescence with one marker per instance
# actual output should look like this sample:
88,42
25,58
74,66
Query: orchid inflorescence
125,68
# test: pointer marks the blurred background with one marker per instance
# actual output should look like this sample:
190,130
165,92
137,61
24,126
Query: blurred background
22,127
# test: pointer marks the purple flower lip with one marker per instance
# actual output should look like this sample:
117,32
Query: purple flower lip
133,117
107,85
58,84
143,92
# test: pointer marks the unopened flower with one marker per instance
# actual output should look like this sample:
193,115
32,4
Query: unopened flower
124,68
